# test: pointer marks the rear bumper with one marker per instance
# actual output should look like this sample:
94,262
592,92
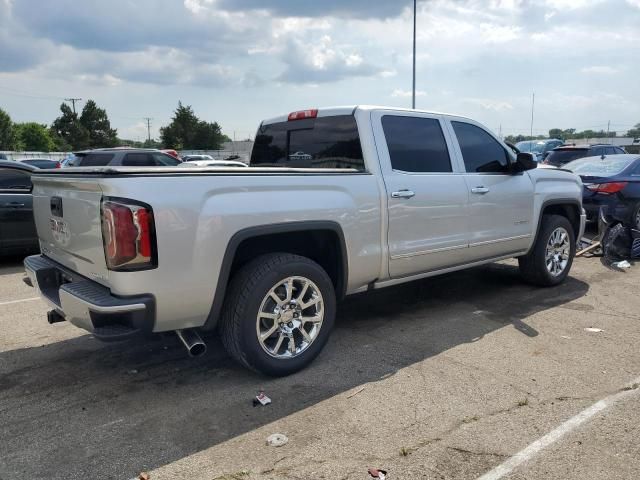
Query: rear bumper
89,305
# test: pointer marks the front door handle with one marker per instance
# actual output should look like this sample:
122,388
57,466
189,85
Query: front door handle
403,194
480,190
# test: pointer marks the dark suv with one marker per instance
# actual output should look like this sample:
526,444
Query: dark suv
567,153
122,157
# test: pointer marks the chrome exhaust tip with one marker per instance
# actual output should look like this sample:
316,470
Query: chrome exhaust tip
192,341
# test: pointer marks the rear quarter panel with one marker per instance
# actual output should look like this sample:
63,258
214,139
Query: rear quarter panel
197,215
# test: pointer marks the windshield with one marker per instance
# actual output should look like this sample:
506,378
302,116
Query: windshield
598,167
530,147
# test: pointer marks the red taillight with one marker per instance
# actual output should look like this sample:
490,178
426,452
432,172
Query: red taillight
58,165
302,114
128,235
606,188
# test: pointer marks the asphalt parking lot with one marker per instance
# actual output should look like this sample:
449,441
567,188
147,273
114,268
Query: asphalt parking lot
445,378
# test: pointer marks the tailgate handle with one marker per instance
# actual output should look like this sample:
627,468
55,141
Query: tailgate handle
56,206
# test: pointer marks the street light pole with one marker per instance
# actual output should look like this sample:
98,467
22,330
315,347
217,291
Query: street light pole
413,91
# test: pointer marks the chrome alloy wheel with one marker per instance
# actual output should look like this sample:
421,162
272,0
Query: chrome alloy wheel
558,251
290,317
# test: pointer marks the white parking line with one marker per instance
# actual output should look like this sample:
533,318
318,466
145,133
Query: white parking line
553,436
20,301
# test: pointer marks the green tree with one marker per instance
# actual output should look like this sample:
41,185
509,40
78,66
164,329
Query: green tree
634,132
186,131
34,137
8,137
95,120
68,127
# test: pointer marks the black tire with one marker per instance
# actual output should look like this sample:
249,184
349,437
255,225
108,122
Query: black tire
246,292
533,266
635,218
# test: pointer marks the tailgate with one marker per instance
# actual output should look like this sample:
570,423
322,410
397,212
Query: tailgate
67,216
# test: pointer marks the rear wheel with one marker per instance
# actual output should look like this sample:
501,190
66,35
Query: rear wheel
278,314
549,261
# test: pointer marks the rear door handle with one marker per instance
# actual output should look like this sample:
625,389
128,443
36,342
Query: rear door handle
12,205
480,190
403,194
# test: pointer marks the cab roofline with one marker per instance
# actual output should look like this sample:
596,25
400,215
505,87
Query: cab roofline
351,109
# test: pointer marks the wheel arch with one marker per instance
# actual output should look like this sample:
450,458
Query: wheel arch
566,207
321,241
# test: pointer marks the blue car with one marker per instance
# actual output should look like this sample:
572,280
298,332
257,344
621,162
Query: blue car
612,182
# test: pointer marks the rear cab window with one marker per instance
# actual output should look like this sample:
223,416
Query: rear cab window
323,142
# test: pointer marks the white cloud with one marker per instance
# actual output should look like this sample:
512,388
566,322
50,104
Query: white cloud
398,92
490,104
600,70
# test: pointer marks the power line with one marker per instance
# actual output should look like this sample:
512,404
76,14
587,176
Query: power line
73,102
22,93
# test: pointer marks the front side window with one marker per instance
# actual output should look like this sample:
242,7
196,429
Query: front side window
416,144
324,142
138,160
480,151
165,160
13,179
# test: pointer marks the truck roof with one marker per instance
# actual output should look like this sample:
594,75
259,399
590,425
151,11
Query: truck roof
350,110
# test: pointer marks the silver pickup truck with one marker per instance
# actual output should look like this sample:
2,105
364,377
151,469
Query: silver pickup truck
336,201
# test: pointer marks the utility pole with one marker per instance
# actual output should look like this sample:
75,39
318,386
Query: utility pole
500,134
608,137
533,102
413,90
148,119
73,102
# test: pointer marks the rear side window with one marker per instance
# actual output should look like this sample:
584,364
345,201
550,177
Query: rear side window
416,144
93,160
12,179
560,157
325,142
480,151
597,151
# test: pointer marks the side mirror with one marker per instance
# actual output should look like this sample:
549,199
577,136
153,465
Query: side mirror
524,161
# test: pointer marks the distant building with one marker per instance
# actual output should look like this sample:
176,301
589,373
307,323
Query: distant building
617,141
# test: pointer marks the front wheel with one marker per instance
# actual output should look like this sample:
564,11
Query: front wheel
278,314
549,261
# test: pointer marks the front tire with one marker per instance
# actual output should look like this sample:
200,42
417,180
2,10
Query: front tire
278,313
549,261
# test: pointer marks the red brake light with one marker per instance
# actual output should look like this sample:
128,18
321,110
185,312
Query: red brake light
606,188
302,114
128,235
58,165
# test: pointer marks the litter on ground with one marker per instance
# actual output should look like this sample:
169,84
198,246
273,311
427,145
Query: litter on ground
277,440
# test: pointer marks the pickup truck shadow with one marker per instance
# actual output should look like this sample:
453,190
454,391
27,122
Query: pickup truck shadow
82,409
11,265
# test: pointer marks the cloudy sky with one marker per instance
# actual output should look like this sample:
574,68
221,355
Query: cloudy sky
237,61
